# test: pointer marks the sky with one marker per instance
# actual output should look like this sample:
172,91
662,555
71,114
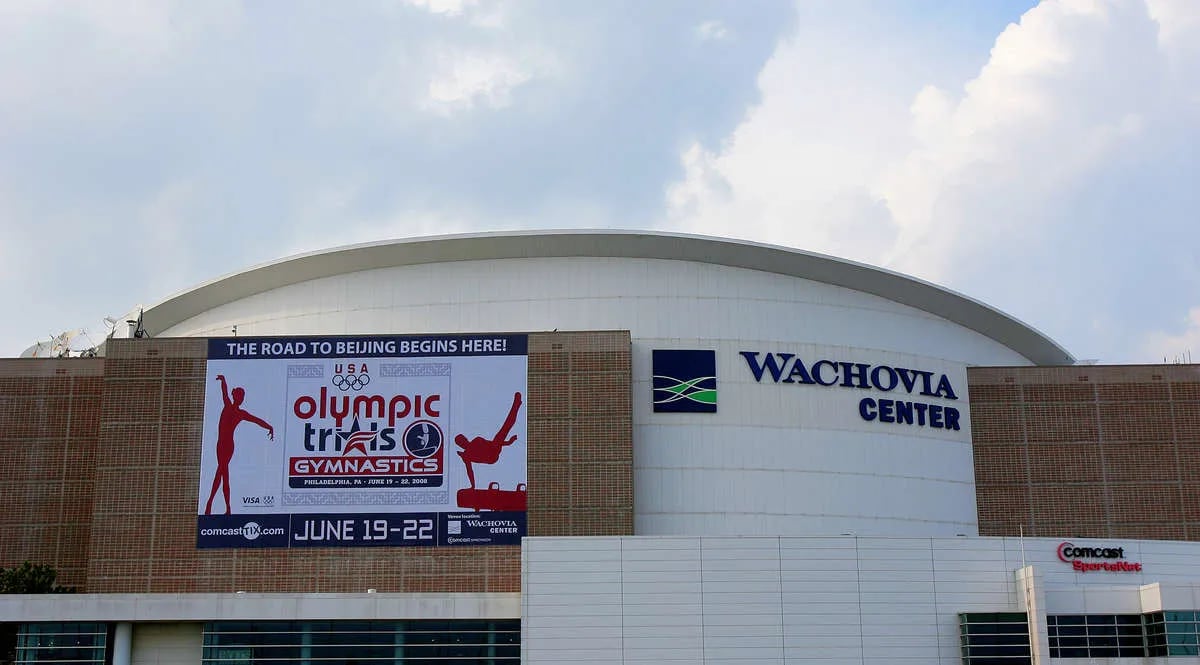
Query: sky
1042,158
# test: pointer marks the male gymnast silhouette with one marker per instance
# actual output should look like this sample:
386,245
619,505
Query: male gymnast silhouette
231,416
486,451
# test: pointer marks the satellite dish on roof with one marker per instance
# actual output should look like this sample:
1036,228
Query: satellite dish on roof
67,344
58,346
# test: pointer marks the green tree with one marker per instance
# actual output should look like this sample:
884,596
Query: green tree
25,578
30,578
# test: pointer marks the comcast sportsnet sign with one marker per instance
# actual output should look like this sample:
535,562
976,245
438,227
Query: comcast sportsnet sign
1090,559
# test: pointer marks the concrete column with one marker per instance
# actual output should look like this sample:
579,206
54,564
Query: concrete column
122,647
306,644
1032,595
398,640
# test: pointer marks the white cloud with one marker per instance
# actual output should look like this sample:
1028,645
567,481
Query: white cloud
799,168
403,224
1061,92
478,65
712,31
465,80
447,7
11,240
994,189
1178,22
312,230
102,48
152,146
162,239
1181,346
1053,177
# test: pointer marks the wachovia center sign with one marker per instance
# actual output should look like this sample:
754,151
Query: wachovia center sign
901,381
1087,559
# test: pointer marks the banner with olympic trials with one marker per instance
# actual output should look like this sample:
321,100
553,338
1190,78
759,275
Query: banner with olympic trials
361,441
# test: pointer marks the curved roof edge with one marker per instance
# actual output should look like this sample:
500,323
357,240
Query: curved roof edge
955,307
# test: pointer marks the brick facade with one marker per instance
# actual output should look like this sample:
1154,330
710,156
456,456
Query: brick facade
102,462
101,465
49,422
1100,451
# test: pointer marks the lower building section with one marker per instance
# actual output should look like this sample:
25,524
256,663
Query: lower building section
704,600
976,601
994,638
263,629
80,643
412,642
1108,636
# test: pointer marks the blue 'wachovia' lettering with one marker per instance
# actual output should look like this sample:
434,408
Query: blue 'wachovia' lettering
788,368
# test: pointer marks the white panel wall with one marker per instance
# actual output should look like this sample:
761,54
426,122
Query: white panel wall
775,459
810,600
656,299
578,614
798,459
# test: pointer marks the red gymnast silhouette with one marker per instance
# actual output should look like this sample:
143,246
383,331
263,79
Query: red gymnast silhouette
231,416
486,451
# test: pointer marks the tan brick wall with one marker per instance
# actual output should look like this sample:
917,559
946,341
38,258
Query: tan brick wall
113,503
49,417
581,461
101,464
1100,451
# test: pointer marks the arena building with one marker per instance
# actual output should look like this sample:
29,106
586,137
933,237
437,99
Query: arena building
596,447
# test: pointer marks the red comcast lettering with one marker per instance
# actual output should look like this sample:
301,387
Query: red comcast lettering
339,407
1069,553
1115,567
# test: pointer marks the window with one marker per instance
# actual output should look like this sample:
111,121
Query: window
1173,633
415,642
77,643
1096,636
994,638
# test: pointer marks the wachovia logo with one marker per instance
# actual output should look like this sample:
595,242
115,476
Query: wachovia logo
685,381
1113,559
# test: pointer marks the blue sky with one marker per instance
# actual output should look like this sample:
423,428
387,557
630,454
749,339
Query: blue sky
1039,158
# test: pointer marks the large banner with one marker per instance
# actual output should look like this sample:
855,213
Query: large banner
355,441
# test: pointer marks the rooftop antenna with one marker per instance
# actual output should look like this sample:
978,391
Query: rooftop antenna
139,332
90,351
112,326
60,345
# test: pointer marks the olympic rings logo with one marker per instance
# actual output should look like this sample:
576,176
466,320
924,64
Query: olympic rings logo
351,381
